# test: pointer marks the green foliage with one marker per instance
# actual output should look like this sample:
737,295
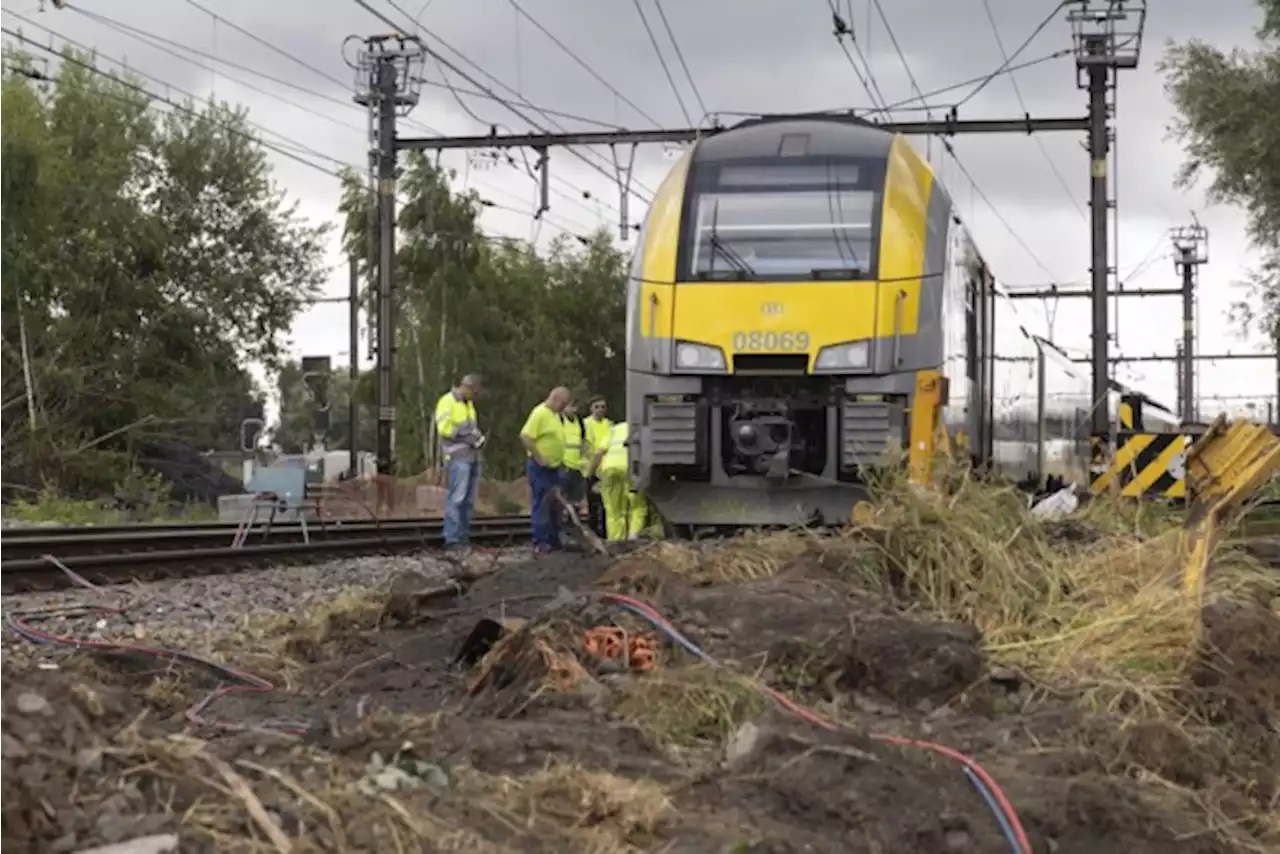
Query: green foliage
1229,125
49,507
147,258
468,304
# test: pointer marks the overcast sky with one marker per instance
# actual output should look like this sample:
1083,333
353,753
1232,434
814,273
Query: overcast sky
746,56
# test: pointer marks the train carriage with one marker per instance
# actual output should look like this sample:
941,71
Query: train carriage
801,298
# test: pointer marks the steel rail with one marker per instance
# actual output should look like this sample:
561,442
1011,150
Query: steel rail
315,525
38,573
65,542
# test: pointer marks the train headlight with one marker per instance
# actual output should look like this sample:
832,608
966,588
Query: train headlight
853,356
698,357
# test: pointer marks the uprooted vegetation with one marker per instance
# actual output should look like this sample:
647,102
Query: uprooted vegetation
1059,655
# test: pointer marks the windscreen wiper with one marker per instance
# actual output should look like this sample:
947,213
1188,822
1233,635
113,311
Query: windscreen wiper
717,245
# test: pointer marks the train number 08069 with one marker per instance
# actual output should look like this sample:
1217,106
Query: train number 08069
773,342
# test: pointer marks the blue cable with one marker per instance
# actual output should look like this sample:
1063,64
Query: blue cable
1005,827
671,632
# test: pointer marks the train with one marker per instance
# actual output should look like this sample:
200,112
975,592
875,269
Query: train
804,308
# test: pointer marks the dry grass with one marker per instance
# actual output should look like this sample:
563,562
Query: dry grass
1100,616
300,798
690,706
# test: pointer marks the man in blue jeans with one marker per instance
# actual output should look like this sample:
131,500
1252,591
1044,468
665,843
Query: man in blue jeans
543,440
460,444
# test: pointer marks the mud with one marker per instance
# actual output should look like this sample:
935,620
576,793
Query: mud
676,759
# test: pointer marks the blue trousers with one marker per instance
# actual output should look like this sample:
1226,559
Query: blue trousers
462,480
544,516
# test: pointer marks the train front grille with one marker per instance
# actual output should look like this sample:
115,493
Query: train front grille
771,363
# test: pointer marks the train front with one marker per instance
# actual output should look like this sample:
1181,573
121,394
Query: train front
775,331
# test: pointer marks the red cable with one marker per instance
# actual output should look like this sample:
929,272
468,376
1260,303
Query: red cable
251,683
1002,800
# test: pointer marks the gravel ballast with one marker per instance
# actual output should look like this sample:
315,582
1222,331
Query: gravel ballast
179,613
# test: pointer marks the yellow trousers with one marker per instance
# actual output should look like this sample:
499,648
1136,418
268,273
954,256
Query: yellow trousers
625,511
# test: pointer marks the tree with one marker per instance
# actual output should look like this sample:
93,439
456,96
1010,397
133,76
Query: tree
1229,125
147,258
467,303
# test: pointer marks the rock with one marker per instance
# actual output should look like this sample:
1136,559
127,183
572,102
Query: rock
742,744
89,759
163,843
753,743
956,840
30,703
11,748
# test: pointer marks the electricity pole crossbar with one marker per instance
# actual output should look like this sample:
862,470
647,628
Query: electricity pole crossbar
948,127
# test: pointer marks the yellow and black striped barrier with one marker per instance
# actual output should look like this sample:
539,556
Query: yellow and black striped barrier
1146,465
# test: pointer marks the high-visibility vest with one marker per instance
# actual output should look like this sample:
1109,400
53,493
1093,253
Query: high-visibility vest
615,459
597,434
455,419
574,445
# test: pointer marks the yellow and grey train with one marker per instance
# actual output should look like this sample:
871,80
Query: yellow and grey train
801,292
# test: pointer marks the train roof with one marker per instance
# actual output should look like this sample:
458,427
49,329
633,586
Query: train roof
817,135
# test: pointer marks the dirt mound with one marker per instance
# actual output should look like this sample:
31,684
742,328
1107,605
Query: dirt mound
809,639
548,707
1238,676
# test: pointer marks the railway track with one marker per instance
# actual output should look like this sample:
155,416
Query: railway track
146,552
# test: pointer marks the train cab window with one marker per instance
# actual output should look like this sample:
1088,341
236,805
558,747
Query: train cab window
771,223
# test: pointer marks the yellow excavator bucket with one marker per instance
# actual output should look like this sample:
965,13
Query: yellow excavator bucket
1225,467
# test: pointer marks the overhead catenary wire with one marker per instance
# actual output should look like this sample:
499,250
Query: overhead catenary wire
582,63
326,75
906,66
282,148
283,140
840,28
184,52
980,81
586,194
277,148
505,102
662,60
693,84
948,147
1008,62
1017,91
1008,227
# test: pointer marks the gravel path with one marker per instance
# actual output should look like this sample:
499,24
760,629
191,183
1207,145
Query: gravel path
173,612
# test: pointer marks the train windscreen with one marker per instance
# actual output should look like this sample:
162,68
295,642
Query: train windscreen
797,222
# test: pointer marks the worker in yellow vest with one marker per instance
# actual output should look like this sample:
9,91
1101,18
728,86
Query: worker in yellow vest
460,444
573,475
597,425
543,438
625,510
